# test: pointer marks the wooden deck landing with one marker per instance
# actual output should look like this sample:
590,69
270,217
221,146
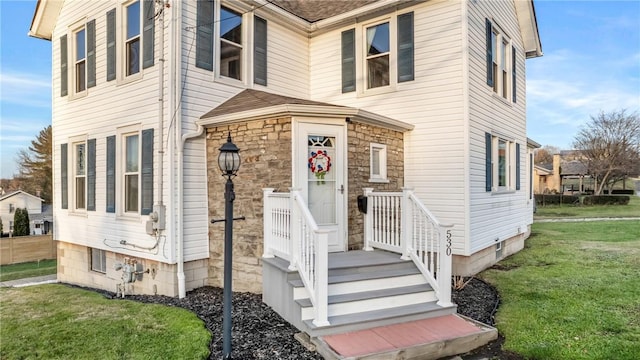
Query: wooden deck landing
422,339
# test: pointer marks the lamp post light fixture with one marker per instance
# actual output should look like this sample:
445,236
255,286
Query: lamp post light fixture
229,163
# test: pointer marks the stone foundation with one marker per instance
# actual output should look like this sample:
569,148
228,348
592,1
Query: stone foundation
483,259
74,267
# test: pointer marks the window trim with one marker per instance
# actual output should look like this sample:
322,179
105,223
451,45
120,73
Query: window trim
102,255
121,43
72,46
73,142
510,169
501,65
381,177
362,69
122,134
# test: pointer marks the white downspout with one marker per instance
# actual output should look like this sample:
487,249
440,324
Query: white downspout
181,285
160,203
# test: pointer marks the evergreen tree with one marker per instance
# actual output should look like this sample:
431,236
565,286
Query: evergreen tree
35,166
21,222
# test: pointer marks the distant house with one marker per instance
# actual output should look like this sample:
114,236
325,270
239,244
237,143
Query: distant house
368,130
567,174
11,201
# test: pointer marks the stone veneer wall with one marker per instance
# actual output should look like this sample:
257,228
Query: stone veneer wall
265,150
359,138
74,267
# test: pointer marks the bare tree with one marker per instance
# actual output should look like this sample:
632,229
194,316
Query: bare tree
610,145
544,155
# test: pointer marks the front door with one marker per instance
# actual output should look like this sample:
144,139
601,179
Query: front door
321,175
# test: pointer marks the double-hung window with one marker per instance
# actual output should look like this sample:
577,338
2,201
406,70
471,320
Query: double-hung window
80,60
222,43
132,39
377,55
503,164
500,62
386,57
131,172
79,182
231,47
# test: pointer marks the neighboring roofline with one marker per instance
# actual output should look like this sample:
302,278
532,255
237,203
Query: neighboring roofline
321,111
533,144
4,197
542,169
526,13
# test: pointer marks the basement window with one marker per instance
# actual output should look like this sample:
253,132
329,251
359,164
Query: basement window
98,260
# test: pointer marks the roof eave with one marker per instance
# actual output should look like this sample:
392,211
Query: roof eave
526,13
44,19
319,111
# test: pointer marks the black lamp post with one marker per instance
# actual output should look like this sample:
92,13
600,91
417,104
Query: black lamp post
229,163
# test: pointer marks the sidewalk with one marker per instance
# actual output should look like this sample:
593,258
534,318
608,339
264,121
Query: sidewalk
46,279
585,219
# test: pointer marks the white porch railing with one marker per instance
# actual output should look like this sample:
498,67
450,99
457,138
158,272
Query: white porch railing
287,218
399,222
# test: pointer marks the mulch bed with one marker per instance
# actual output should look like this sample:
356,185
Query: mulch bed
260,333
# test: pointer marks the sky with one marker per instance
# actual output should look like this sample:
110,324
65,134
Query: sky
591,64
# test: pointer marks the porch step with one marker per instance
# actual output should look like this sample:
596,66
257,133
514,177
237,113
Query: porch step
373,300
361,281
369,319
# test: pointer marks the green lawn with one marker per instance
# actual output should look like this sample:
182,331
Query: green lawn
571,211
60,322
28,269
573,292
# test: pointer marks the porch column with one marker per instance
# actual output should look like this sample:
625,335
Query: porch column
267,222
368,220
296,229
406,232
445,255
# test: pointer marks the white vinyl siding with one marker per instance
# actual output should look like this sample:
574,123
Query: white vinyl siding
434,150
494,216
106,107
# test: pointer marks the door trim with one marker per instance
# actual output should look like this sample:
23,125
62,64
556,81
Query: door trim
297,160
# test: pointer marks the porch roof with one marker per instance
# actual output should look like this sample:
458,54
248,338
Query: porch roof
252,104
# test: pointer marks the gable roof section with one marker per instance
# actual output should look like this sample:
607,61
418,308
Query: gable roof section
252,104
17,192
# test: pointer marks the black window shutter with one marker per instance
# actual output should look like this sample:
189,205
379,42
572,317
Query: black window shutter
514,88
260,51
348,61
111,174
64,177
91,174
204,35
111,44
91,53
146,185
405,47
64,79
517,166
488,168
489,53
148,33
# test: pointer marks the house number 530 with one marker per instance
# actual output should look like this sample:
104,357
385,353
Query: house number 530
448,242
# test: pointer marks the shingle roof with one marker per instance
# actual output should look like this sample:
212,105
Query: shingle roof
315,10
250,99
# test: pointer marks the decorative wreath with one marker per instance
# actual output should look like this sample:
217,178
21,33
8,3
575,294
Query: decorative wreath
319,163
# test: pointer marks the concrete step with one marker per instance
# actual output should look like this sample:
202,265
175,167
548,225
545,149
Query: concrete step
369,319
